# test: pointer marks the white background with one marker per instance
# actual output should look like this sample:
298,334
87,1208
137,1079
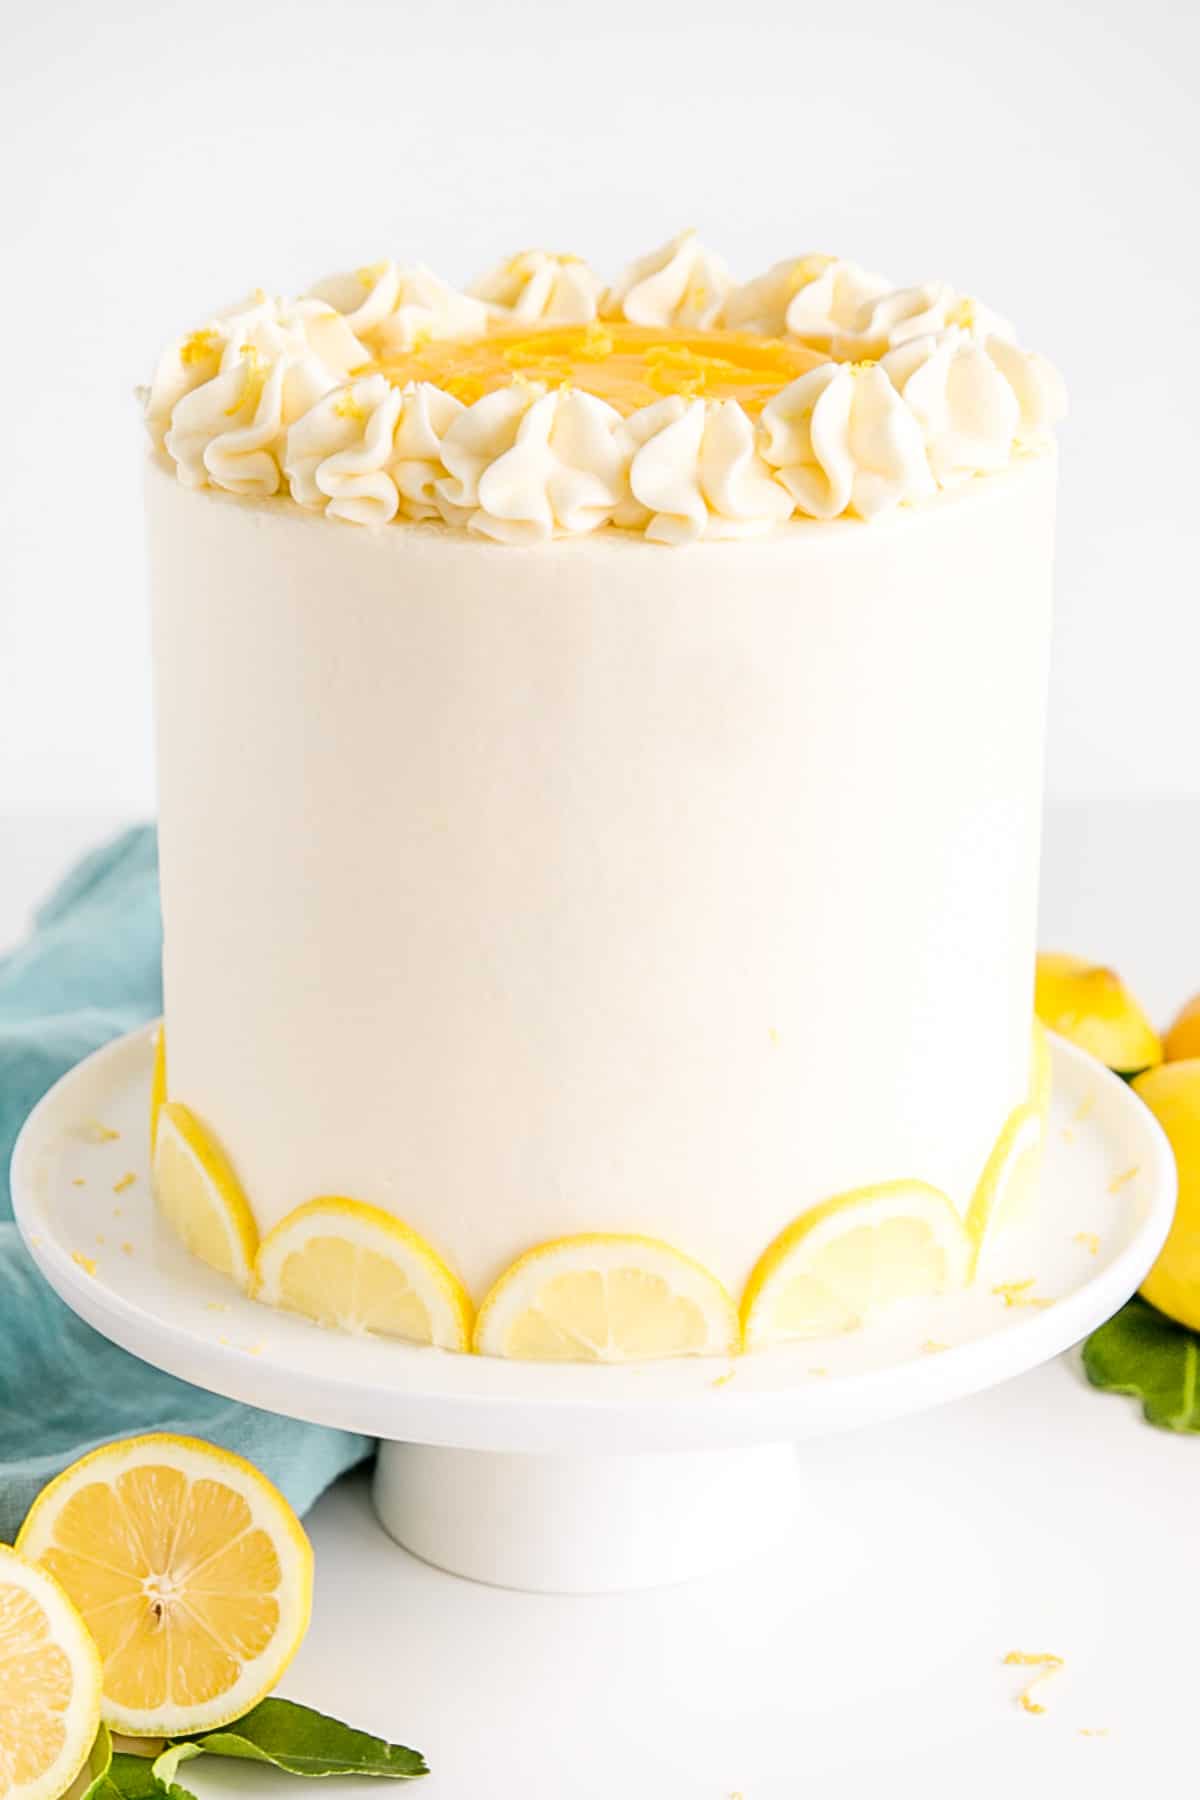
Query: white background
165,158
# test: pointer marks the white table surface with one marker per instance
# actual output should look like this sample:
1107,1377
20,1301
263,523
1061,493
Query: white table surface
867,1656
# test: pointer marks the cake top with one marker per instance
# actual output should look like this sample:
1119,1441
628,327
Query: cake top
542,403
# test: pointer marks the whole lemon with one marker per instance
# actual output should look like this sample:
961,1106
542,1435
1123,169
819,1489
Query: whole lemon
1172,1092
1183,1039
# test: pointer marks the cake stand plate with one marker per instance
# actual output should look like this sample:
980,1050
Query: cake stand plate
565,1478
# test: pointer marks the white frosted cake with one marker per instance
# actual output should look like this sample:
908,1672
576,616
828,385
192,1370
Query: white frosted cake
600,744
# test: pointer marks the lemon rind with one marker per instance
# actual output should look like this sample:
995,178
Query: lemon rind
1026,1120
158,1081
1041,1069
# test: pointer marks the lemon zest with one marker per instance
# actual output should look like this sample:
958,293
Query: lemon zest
1045,1662
93,1132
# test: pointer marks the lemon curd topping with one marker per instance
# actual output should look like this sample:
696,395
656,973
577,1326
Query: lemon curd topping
629,366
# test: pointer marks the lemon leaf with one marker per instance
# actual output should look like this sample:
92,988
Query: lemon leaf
166,1766
304,1742
1142,1352
99,1767
117,1775
133,1778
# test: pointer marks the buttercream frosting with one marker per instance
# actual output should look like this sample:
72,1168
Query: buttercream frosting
815,298
841,439
923,388
392,309
682,283
538,287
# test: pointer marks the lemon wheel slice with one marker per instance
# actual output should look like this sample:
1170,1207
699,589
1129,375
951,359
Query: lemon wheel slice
606,1297
342,1262
199,1193
861,1250
189,1569
158,1081
49,1684
1008,1188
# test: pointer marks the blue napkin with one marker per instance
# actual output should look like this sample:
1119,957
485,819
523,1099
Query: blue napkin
90,971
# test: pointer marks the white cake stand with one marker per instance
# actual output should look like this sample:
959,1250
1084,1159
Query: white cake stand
577,1479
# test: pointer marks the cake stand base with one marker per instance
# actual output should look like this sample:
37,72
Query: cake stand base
585,1525
557,1477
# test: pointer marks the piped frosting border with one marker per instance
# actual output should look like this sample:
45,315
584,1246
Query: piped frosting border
925,389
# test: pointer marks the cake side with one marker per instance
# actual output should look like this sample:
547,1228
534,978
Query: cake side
578,889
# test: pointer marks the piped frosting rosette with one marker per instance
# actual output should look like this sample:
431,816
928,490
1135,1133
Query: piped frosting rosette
923,389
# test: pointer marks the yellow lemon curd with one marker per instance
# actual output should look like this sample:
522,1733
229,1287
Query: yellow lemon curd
630,366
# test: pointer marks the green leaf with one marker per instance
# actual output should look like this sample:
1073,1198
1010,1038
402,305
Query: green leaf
99,1765
1142,1352
133,1778
303,1742
166,1764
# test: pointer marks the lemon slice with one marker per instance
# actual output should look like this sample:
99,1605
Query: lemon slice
158,1081
844,1258
189,1569
344,1263
606,1297
1008,1188
198,1191
1041,1070
49,1684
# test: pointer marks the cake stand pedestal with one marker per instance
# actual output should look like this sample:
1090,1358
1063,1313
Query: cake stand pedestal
561,1478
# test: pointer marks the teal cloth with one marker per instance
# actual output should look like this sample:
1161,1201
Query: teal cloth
89,972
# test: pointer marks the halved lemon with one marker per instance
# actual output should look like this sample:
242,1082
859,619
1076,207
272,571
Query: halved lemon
1041,1070
49,1684
606,1297
1091,1006
843,1259
191,1572
1008,1188
342,1262
158,1081
199,1193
